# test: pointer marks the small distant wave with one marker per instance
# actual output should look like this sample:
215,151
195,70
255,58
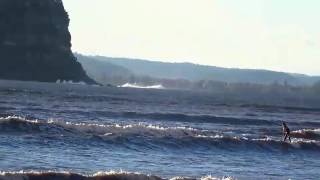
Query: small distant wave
10,91
200,118
148,135
70,82
269,108
129,85
112,175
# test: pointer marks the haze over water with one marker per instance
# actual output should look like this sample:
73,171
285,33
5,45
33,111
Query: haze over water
255,34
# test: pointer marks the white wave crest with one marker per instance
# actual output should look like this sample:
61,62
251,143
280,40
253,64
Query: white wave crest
105,130
17,118
135,85
22,175
114,130
215,178
307,130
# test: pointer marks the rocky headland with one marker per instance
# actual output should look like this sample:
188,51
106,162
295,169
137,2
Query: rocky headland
35,43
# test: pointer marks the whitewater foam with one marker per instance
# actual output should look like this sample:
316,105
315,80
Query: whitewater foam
108,175
312,134
135,85
17,118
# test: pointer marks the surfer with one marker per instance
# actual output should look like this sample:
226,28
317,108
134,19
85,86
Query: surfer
286,132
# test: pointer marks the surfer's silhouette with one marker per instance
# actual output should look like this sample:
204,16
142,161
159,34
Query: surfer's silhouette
286,132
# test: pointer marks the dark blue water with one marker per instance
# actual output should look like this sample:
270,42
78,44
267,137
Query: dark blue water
86,129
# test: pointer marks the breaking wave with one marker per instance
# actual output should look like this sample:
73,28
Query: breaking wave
307,134
149,135
112,175
129,85
199,118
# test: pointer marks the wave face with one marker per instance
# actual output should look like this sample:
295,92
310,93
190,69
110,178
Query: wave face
64,131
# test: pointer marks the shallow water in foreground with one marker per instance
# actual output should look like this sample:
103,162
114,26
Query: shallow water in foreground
84,130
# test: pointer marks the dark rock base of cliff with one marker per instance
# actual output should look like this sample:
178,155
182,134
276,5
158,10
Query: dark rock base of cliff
47,66
35,43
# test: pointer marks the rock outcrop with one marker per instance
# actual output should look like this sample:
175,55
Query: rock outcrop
35,43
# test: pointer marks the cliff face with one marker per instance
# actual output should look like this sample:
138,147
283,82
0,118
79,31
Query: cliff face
35,43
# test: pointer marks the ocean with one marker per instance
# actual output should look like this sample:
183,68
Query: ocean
69,131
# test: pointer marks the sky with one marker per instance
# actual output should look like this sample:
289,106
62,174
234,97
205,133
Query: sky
280,35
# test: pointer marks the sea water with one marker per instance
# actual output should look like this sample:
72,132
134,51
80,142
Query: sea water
85,130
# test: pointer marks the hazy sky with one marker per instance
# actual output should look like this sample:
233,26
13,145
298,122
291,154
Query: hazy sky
282,35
